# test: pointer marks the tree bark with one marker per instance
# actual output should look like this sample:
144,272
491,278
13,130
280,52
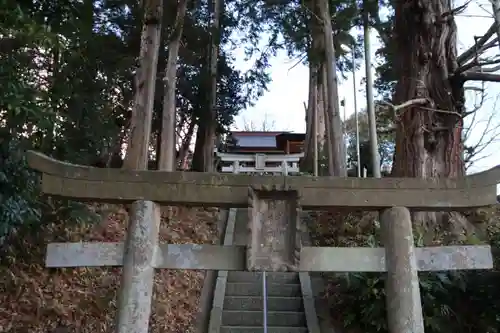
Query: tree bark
186,141
311,120
328,145
145,79
334,122
214,56
428,140
168,138
322,55
48,140
317,59
428,137
205,136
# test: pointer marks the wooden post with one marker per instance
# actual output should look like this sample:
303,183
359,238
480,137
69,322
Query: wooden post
138,268
404,308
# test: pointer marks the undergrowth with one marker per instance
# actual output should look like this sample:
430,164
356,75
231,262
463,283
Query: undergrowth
457,301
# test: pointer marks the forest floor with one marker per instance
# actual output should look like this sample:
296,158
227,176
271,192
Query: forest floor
362,229
83,300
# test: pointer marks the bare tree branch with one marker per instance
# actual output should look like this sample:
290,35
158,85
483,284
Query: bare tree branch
489,135
495,5
299,59
479,76
267,125
477,106
473,50
406,104
491,69
477,66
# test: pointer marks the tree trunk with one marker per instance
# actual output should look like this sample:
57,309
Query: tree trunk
48,140
168,137
316,58
214,56
198,159
205,136
186,141
328,145
428,138
334,122
307,164
322,55
320,104
145,80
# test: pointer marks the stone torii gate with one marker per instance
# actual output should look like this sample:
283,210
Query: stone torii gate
275,203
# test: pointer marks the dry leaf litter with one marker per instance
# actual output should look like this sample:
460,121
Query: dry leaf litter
83,300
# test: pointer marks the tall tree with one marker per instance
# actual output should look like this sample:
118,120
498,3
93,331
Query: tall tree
205,137
429,100
316,107
428,136
145,81
325,49
167,151
336,155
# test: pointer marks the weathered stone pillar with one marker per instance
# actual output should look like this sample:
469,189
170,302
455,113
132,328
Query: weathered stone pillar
134,307
274,230
404,308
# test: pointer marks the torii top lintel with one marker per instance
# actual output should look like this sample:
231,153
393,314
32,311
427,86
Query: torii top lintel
228,190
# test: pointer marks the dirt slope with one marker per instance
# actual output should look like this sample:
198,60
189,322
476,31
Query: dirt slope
35,299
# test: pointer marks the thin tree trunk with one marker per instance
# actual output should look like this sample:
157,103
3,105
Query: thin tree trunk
214,56
48,140
311,129
186,141
205,135
158,108
321,105
316,59
197,162
168,136
328,145
334,128
145,80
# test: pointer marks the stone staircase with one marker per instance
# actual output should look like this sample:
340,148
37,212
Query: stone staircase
243,304
238,302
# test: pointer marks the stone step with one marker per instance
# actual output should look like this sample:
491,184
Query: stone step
255,318
255,289
253,329
254,303
256,277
